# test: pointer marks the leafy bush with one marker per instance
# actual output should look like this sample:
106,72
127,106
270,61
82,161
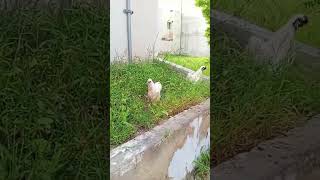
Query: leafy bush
205,6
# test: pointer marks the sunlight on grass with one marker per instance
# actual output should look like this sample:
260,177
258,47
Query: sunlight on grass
130,110
273,14
193,63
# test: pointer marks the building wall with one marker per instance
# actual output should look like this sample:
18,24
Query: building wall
193,27
144,27
118,29
174,45
149,25
194,41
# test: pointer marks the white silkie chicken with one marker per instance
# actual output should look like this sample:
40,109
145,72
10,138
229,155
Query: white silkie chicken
195,76
154,90
280,44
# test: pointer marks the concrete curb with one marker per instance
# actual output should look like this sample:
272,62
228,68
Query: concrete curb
182,69
167,151
283,158
242,30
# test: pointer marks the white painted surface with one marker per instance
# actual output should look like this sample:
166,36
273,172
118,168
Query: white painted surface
194,25
144,28
193,40
149,24
145,22
118,29
182,161
165,7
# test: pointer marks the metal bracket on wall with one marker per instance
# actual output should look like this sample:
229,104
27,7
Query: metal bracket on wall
127,11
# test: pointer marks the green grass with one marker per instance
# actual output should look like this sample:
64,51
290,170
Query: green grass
193,63
53,95
130,111
252,104
273,14
202,166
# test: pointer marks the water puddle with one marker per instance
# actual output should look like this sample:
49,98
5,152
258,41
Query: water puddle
182,161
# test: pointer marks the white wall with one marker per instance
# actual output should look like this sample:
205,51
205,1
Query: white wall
118,29
194,26
144,28
193,40
169,46
149,20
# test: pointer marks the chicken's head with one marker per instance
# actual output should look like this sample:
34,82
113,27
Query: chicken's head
299,21
149,81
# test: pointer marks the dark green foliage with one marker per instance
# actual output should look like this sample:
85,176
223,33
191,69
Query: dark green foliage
251,103
53,94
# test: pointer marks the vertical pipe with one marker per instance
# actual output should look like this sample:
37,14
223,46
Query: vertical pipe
129,12
180,27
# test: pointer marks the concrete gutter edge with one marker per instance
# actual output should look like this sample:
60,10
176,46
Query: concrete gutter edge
126,156
185,71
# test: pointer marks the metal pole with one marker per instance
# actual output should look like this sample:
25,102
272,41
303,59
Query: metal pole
129,12
180,27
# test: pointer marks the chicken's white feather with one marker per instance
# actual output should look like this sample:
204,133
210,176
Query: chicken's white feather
195,76
154,90
280,44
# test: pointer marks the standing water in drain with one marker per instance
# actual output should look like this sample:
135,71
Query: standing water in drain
182,161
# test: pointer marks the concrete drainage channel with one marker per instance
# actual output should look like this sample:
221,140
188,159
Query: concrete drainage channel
293,157
242,30
168,150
